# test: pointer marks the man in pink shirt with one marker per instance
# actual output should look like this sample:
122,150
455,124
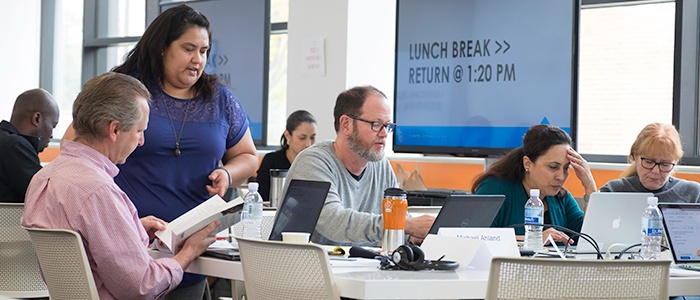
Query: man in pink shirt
77,191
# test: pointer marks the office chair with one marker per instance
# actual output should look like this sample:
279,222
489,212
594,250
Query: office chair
546,278
268,220
18,264
276,270
64,264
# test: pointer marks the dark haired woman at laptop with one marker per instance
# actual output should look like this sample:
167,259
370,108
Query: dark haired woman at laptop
543,163
653,155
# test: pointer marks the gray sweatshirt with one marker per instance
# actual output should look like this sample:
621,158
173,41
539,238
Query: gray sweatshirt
351,214
675,190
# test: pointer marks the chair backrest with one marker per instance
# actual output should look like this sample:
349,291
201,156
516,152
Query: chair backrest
546,278
17,257
64,264
276,270
266,226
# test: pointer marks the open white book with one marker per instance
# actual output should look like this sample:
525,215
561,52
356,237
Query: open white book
194,220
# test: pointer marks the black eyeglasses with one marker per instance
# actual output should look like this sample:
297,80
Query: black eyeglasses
650,164
376,126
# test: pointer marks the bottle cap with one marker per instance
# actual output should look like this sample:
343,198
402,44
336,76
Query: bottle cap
652,201
394,192
253,186
534,193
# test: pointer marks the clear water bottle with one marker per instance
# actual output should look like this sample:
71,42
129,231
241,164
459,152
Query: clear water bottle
651,230
252,212
534,218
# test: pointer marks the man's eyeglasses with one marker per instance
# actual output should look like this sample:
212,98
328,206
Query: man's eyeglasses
650,164
376,126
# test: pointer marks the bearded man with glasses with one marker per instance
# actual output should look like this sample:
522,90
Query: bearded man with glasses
653,156
355,165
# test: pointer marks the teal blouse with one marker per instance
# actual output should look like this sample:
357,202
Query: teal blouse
563,212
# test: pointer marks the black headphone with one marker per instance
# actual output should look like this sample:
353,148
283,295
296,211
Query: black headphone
411,257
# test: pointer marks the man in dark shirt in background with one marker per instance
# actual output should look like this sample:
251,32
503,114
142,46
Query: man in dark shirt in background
28,132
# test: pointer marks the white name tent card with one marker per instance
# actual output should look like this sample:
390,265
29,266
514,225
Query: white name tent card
500,241
473,248
472,254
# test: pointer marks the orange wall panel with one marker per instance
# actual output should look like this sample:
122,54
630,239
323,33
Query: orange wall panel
49,154
443,175
456,176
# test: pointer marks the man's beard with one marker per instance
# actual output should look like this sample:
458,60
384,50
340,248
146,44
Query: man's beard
364,151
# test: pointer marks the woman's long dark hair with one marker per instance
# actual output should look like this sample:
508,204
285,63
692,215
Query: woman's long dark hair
145,60
536,141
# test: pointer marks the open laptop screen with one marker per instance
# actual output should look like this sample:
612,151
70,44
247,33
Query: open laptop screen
613,218
682,226
468,211
300,208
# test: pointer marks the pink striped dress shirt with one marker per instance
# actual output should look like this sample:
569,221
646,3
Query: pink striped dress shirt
77,191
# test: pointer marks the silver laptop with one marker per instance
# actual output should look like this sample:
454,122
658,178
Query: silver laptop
613,218
682,228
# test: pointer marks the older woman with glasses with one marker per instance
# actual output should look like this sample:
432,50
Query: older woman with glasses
652,158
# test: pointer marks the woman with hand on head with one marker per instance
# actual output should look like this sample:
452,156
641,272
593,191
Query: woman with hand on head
299,134
196,124
653,155
542,162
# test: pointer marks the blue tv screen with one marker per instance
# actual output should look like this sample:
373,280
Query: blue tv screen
471,76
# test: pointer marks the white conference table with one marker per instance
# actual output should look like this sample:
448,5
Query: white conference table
372,283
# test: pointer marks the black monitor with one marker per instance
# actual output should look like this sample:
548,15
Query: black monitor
471,76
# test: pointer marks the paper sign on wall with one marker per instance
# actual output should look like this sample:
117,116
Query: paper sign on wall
500,241
313,61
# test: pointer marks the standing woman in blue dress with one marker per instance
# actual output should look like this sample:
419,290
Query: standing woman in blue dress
198,143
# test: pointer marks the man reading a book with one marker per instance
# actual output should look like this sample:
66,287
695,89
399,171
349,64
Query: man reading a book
77,192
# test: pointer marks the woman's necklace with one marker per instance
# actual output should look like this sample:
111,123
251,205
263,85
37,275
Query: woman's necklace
177,136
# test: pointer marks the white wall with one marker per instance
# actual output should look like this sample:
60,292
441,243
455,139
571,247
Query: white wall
20,54
359,50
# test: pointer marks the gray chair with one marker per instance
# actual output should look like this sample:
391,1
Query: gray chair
18,264
532,278
64,264
276,270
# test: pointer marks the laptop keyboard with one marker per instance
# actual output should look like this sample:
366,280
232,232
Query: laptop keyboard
434,193
693,267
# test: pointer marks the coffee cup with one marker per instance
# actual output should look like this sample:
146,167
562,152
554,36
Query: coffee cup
296,237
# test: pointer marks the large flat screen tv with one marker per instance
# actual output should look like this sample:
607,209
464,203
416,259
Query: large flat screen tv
473,75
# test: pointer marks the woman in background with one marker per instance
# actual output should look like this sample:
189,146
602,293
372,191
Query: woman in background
653,155
542,163
299,134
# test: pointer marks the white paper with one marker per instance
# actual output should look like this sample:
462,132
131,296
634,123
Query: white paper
194,220
500,241
353,262
220,244
472,254
314,60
